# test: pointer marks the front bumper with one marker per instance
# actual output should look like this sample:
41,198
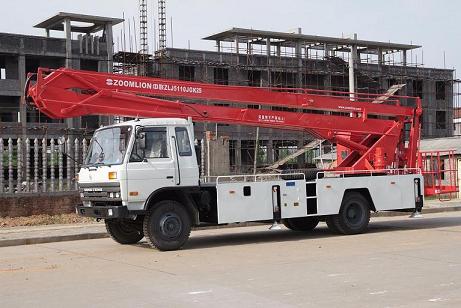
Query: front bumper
104,212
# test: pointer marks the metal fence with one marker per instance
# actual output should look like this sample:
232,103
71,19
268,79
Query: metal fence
40,165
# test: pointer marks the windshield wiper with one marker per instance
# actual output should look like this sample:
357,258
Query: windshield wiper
96,164
101,155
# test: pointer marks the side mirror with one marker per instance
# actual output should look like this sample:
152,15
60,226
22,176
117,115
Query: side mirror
141,140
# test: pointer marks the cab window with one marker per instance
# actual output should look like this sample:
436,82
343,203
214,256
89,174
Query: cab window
182,138
150,143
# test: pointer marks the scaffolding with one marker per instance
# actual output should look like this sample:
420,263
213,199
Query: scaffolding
162,24
143,38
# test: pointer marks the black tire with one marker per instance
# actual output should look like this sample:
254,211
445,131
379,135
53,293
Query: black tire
332,225
123,231
354,216
167,225
301,223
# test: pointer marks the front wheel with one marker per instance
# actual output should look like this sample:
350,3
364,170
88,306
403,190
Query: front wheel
301,223
167,225
123,231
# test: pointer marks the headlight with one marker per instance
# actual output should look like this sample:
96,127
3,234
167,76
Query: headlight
111,195
82,195
117,195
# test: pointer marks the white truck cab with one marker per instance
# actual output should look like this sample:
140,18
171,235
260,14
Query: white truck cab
127,162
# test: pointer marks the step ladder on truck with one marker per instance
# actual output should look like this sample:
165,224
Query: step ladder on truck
142,176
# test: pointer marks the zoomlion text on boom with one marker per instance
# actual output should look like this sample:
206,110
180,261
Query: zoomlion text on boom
152,86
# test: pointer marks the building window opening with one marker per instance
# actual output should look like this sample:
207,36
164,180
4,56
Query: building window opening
440,119
440,90
187,72
418,88
254,78
221,76
2,68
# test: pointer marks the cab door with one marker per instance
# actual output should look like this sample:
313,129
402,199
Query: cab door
151,164
187,167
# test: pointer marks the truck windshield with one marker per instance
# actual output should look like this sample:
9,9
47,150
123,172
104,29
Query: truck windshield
108,146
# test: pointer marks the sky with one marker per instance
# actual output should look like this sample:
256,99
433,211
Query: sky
432,24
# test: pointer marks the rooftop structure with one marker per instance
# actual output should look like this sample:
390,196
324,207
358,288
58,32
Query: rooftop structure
312,46
21,54
91,24
309,41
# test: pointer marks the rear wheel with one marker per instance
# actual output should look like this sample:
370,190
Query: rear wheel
123,231
354,216
167,225
301,223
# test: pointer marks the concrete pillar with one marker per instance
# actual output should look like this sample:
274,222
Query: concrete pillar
326,50
270,151
380,57
72,122
404,58
352,64
249,48
237,51
327,80
110,47
238,156
299,58
108,120
22,82
218,44
268,54
67,29
219,156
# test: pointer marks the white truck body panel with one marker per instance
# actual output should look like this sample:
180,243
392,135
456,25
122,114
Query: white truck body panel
234,206
388,192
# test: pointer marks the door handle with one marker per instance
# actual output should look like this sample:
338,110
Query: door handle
169,177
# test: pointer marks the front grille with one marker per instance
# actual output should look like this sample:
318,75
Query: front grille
99,191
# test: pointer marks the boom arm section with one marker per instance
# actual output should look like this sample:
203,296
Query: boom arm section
372,135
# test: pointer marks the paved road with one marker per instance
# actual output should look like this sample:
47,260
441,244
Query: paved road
399,263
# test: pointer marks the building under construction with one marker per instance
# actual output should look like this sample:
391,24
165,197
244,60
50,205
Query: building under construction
295,60
242,57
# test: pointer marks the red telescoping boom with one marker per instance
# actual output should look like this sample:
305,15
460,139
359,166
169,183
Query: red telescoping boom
372,133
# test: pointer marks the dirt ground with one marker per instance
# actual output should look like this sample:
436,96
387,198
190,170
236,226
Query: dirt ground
37,220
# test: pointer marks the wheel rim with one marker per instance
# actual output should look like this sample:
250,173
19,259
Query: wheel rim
170,225
354,214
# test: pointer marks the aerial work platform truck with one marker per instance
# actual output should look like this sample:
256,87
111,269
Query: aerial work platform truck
142,176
